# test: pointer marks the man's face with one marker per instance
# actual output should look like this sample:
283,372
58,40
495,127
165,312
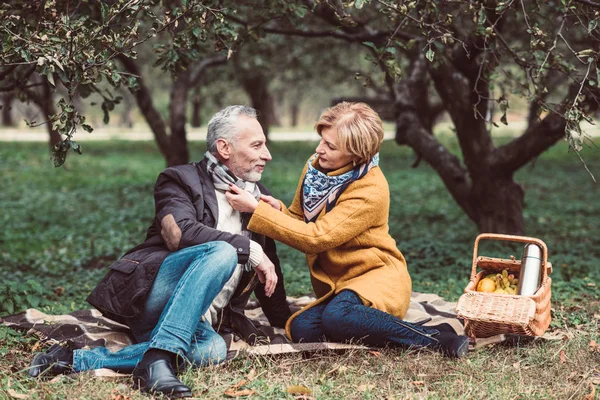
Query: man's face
249,152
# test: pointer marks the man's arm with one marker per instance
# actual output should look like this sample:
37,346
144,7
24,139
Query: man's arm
276,308
177,216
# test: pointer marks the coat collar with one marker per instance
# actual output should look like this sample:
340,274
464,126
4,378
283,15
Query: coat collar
208,190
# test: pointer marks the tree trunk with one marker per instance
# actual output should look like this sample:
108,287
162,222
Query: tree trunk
127,109
179,149
257,87
294,111
498,204
7,119
196,112
155,121
46,103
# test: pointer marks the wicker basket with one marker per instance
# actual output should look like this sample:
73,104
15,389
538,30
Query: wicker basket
489,314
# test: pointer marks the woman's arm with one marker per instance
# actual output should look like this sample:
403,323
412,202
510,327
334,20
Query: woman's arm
360,207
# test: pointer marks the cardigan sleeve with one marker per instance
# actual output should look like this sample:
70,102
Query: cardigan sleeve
355,212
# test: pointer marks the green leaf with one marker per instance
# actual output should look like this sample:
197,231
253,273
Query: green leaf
430,54
50,78
104,11
371,45
87,128
358,4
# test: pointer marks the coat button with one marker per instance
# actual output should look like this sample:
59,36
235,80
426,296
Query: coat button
240,249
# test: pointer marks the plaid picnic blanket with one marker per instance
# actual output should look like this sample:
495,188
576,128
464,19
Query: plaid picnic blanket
88,328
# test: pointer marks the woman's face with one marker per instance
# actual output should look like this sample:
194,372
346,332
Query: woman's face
331,155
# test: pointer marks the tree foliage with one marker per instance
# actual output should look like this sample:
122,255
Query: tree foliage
469,59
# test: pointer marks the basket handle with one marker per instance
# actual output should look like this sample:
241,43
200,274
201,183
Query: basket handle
510,238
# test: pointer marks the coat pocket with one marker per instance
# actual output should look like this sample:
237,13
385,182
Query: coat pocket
124,265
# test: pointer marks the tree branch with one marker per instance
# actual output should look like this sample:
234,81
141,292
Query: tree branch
536,139
143,98
200,67
6,72
589,3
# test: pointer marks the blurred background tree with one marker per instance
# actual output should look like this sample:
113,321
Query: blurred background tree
416,62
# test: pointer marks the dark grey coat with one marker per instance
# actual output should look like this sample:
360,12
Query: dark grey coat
186,192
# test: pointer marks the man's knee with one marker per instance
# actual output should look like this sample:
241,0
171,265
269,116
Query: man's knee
209,352
225,252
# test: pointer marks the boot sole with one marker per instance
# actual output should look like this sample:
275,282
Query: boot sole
139,383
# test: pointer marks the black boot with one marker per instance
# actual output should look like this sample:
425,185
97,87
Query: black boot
451,344
155,375
57,360
448,343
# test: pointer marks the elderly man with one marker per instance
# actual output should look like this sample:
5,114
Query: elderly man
195,271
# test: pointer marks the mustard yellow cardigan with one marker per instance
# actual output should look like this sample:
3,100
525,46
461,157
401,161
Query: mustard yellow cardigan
348,247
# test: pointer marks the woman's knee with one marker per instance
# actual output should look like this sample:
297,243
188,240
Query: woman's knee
304,328
338,316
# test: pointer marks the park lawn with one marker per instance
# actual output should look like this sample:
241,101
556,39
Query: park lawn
62,227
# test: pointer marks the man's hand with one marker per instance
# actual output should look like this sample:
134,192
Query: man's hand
240,199
266,274
272,201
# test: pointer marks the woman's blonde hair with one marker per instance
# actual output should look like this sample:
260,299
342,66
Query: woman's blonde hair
359,129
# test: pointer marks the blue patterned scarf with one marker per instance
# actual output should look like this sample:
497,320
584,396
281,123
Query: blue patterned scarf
321,190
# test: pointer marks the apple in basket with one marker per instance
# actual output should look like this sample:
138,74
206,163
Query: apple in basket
503,283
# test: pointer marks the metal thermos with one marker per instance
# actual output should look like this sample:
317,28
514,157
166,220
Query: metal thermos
531,270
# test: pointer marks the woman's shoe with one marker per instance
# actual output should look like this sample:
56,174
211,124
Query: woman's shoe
451,344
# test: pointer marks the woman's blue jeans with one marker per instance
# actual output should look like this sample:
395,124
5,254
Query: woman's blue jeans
345,318
186,284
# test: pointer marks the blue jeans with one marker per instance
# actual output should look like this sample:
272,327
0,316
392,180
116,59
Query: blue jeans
345,318
186,284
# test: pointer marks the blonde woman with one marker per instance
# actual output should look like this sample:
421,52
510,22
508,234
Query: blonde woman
339,219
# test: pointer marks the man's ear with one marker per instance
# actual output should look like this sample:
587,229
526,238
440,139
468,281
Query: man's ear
224,148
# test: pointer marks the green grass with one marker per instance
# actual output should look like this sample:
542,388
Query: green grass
62,227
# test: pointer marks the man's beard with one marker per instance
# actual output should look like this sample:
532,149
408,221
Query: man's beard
245,175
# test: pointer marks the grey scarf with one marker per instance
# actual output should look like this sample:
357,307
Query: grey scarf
222,176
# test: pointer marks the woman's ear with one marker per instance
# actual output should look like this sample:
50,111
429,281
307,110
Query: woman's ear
224,148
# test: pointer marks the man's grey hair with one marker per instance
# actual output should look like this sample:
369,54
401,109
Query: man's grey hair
222,125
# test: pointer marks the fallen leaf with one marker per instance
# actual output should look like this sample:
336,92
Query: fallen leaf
563,358
239,393
239,384
517,365
592,394
375,353
115,395
365,387
418,383
16,395
593,345
36,347
298,390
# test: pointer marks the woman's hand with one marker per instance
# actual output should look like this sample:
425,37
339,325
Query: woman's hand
272,201
240,199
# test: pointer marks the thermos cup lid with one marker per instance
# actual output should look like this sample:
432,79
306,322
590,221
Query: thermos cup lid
532,250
